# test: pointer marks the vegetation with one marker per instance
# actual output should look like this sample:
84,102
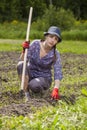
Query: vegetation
17,30
63,17
17,9
64,47
58,17
66,114
62,115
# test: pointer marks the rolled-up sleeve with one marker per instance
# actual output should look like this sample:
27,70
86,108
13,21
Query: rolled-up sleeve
58,67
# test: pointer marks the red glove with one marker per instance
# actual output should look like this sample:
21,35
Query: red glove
25,45
55,94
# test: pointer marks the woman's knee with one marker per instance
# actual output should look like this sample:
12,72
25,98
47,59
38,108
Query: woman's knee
20,67
35,86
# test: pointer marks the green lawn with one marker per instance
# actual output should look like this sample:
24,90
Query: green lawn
77,47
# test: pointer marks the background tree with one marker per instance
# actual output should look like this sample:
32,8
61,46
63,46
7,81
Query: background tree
57,17
78,7
19,9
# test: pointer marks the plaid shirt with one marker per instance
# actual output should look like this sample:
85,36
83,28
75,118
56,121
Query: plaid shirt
41,67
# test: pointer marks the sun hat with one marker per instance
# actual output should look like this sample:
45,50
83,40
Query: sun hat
54,31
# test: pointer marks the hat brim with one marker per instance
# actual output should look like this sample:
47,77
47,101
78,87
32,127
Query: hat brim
46,33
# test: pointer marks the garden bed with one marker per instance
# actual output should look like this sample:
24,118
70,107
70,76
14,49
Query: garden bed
12,103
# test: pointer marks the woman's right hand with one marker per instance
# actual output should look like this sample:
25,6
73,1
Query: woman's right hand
25,45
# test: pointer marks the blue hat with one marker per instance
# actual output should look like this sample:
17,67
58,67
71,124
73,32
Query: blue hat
55,31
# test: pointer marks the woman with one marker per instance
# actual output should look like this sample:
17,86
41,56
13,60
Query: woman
42,57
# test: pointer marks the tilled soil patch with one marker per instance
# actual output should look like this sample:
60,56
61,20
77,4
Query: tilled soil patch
11,103
23,108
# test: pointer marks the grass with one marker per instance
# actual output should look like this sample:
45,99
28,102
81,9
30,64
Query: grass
77,47
17,30
61,117
10,45
75,35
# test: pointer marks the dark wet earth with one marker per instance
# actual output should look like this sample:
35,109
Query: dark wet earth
12,103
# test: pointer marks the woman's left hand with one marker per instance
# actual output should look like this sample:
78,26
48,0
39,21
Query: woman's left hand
55,94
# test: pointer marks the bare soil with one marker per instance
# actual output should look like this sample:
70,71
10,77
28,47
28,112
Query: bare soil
13,103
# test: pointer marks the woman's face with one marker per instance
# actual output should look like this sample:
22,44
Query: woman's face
51,40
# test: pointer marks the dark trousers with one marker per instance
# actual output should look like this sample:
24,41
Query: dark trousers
37,84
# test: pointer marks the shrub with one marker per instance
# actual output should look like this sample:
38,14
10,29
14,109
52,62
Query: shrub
81,25
75,35
65,19
58,17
